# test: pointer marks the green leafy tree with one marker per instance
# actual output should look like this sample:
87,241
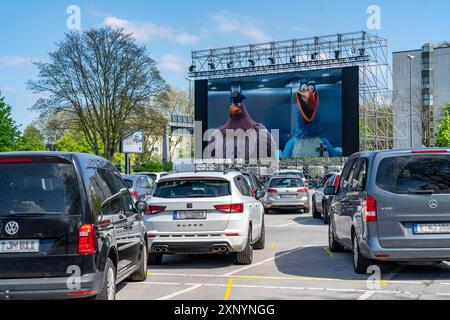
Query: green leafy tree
73,143
31,140
443,132
9,131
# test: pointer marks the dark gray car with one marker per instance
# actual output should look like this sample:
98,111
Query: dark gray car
393,206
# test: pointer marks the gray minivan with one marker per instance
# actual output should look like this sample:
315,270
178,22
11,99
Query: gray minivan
393,206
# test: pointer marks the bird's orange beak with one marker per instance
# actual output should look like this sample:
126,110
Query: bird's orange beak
235,110
308,103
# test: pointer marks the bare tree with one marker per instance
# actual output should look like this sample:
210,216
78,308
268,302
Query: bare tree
99,77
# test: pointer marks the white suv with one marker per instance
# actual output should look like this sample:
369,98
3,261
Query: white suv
201,213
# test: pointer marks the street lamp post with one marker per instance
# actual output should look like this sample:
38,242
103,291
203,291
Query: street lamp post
410,57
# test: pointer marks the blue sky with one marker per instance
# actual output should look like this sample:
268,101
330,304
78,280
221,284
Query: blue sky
172,28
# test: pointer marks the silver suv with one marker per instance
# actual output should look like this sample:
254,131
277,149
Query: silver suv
393,206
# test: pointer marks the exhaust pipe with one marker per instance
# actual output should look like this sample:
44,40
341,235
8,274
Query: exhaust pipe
223,249
157,249
216,249
161,249
164,250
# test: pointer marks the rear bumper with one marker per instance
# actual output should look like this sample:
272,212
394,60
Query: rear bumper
50,288
197,246
373,250
286,205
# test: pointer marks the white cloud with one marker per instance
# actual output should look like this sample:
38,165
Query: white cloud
7,89
229,23
173,63
148,31
14,61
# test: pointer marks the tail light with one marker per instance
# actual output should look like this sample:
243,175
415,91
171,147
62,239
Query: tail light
86,240
134,193
254,191
272,191
370,211
336,182
16,160
154,210
302,190
428,151
230,208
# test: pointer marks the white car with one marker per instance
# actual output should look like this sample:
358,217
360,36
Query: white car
198,213
155,176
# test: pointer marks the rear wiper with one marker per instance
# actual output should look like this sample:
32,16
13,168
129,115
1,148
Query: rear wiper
421,191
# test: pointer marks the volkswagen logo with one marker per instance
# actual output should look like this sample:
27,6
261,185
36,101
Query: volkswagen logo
12,228
433,204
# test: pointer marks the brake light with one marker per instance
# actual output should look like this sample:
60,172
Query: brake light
428,151
370,211
272,191
134,193
16,160
86,240
81,293
230,208
154,210
302,190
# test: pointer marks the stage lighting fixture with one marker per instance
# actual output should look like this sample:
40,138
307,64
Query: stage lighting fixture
293,59
212,66
362,52
272,60
192,68
251,62
230,64
314,56
337,54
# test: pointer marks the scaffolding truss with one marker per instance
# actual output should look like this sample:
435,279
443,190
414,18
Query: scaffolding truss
367,51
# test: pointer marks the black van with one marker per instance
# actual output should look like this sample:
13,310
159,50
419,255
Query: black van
68,228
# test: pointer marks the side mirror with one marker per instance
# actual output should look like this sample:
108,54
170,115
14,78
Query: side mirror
141,206
260,194
329,191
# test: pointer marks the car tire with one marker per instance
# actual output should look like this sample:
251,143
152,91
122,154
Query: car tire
245,257
359,262
155,259
316,214
306,210
333,245
261,243
141,274
108,289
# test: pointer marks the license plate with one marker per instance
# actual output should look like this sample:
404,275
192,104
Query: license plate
189,215
288,196
431,228
19,246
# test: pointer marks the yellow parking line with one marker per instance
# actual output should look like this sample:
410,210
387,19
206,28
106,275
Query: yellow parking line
329,252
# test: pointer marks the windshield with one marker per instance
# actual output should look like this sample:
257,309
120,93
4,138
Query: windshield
38,188
286,183
129,183
415,174
193,188
301,175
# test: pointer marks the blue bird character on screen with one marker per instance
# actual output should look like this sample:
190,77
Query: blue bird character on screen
309,134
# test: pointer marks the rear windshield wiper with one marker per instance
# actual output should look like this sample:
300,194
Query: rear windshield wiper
421,191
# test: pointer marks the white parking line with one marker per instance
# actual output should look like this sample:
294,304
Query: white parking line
368,294
173,295
265,261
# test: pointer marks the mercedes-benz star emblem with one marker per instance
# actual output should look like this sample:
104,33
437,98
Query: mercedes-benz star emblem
433,204
12,228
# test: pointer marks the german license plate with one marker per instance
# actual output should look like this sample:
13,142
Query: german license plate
19,246
189,215
431,228
288,196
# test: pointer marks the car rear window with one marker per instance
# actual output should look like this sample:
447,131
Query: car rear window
198,188
286,183
129,183
294,174
38,188
415,174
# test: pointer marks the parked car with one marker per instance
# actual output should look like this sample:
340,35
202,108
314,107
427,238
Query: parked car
199,212
321,202
155,176
393,206
140,186
253,181
286,192
64,215
293,173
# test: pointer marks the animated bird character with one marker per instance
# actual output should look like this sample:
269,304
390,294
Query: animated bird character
240,121
309,133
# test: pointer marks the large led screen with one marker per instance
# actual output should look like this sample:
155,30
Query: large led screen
315,112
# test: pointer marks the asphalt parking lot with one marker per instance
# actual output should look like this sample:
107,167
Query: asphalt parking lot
296,265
